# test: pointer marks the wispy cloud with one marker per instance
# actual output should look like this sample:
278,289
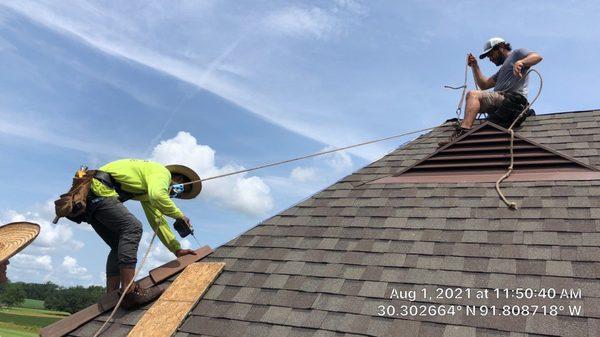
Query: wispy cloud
62,140
321,22
215,64
300,22
124,37
304,174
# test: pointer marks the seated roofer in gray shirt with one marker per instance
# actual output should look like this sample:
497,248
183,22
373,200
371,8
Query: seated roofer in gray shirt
509,80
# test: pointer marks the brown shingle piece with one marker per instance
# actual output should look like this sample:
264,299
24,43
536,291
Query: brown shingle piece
502,266
559,268
276,315
541,324
459,331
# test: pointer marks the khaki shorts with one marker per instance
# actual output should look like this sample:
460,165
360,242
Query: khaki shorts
490,101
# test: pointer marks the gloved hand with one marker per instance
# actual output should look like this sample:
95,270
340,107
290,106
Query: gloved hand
183,226
182,252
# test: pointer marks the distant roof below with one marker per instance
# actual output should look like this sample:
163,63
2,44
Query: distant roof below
483,155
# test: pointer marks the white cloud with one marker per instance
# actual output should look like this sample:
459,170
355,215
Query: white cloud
304,174
52,237
352,6
248,195
339,161
72,267
36,268
39,268
32,262
35,262
300,22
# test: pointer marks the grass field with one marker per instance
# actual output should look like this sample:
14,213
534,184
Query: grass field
27,320
34,312
13,330
32,304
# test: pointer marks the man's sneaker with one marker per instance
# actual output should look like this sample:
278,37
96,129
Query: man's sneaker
138,296
457,133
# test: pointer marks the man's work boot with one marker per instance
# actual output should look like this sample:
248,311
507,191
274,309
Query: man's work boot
457,133
113,283
138,296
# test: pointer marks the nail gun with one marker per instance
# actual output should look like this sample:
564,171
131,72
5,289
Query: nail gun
184,228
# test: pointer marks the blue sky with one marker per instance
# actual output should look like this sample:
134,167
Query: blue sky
221,85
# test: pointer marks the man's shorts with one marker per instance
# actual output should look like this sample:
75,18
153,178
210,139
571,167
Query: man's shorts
504,108
490,101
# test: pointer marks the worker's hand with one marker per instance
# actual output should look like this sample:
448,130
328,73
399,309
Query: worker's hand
518,68
186,220
471,60
182,252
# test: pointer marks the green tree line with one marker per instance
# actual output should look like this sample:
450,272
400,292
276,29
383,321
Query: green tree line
55,297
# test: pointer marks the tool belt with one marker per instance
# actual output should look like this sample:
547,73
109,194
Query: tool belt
73,204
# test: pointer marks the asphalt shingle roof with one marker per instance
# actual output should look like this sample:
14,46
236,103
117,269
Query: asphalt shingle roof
324,267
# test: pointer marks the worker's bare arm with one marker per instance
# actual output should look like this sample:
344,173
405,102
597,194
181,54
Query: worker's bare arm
530,60
482,82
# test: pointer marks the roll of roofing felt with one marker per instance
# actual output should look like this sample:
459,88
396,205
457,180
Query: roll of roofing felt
15,236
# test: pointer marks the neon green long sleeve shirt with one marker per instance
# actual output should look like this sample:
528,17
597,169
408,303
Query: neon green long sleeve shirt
150,182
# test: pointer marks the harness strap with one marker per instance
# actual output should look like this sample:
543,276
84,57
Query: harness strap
110,182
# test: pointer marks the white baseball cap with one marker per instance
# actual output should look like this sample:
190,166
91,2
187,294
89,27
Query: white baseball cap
490,44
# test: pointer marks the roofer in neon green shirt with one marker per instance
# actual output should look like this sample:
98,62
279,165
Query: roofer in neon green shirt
153,185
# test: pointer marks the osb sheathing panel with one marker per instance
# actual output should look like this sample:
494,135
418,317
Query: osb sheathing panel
167,313
108,301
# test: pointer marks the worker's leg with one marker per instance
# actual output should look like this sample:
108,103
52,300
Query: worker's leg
113,283
477,102
113,215
113,278
127,275
472,108
125,231
129,240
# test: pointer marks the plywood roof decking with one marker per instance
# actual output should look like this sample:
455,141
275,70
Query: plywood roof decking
166,314
322,267
108,301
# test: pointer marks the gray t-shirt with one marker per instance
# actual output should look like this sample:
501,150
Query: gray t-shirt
506,80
